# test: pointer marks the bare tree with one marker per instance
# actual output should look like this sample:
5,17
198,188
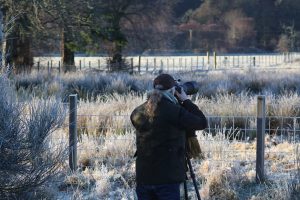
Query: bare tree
240,29
68,18
283,44
114,14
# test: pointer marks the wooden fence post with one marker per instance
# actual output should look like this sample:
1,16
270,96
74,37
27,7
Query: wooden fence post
99,64
260,135
48,66
173,64
80,65
168,67
215,59
207,54
147,65
58,66
180,63
131,61
139,66
38,66
73,132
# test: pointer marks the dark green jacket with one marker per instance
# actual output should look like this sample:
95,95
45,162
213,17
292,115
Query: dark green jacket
161,142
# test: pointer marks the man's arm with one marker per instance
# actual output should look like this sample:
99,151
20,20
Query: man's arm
194,120
191,117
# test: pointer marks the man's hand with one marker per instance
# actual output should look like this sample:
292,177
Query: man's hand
181,96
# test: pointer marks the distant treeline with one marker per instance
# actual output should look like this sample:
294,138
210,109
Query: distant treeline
32,28
241,25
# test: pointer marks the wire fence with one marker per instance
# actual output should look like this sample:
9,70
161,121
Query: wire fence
154,64
227,141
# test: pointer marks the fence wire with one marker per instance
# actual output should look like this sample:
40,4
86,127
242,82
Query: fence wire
153,64
228,141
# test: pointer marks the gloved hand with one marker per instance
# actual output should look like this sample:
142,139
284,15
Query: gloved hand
181,96
193,148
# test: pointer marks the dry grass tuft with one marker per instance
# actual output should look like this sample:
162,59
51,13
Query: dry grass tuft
217,186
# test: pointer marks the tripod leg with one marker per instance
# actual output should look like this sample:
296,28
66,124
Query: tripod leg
193,178
185,191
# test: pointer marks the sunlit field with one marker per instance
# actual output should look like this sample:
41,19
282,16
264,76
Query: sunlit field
174,64
106,138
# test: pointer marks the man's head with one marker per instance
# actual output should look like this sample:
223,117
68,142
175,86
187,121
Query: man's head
164,82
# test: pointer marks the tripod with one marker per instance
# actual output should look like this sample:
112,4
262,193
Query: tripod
193,178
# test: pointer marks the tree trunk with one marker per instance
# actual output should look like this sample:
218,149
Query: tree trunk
119,41
117,62
2,39
16,48
67,54
6,63
22,57
3,64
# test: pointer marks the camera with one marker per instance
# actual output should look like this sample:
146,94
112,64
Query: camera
190,87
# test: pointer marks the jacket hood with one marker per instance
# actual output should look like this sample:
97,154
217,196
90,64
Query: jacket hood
157,95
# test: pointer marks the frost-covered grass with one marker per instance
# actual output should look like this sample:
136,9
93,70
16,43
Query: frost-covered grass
107,140
107,145
89,85
227,172
109,115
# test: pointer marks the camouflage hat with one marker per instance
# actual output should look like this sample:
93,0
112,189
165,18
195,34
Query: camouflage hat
164,82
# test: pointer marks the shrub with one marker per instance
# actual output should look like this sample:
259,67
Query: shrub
28,156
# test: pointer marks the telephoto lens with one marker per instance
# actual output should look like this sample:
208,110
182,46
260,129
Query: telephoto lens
190,87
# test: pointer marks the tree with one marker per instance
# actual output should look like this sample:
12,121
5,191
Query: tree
289,20
1,40
283,44
19,21
6,26
240,32
115,14
105,24
70,19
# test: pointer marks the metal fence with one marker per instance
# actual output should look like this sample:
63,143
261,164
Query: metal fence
228,140
153,64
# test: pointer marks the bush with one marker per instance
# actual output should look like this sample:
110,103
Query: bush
28,156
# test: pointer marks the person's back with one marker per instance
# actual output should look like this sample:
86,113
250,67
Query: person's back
162,124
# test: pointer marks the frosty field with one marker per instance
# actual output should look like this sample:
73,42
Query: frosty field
106,139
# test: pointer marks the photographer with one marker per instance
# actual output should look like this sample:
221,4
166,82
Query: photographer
162,125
